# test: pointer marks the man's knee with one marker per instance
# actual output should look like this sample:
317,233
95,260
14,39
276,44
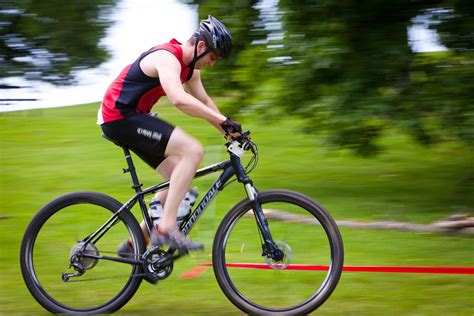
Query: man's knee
195,150
184,146
191,149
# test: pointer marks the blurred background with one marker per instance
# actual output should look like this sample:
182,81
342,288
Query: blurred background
366,106
349,68
57,53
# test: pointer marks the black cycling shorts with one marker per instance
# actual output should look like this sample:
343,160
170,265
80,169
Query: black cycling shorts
145,135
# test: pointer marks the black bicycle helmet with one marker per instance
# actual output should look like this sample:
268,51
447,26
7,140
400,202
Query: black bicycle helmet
217,39
216,36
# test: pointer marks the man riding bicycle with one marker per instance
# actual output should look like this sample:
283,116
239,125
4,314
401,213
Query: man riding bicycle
168,69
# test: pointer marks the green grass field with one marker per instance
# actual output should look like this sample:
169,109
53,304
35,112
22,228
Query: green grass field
46,153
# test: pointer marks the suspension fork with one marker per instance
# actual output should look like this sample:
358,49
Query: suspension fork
269,248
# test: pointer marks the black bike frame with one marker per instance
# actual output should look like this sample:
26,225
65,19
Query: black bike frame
230,168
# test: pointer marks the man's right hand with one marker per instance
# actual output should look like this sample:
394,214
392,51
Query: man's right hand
231,128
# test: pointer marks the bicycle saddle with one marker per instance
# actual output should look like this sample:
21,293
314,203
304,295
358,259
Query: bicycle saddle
111,140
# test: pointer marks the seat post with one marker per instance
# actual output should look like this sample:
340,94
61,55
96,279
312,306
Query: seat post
131,168
137,186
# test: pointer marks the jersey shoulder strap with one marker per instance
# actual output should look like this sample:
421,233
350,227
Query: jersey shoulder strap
174,47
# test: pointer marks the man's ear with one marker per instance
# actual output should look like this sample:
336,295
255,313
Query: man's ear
201,45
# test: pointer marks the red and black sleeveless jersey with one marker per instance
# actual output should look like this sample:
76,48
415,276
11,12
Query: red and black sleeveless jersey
135,92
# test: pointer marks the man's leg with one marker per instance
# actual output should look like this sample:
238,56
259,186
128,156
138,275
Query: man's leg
164,169
188,152
184,154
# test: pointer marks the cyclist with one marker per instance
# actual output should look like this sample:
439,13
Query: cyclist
174,154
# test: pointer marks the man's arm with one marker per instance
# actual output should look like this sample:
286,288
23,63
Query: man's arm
196,88
169,70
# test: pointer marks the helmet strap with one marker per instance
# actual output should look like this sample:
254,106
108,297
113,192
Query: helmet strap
195,59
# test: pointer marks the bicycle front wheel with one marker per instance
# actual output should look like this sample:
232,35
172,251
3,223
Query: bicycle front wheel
295,285
56,234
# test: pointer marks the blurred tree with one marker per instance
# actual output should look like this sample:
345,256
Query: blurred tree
355,55
49,40
346,67
443,83
243,18
457,25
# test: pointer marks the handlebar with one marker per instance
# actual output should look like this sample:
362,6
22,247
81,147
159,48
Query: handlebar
240,144
244,140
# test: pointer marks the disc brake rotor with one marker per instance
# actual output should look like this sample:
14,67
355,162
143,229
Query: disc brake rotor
283,263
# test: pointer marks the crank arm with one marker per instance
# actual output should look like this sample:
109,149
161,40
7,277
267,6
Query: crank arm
167,260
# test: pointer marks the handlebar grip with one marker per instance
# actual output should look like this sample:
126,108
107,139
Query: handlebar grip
244,136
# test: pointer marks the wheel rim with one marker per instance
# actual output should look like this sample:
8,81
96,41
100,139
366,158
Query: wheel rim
48,257
307,278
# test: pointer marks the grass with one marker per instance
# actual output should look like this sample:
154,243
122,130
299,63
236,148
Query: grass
45,153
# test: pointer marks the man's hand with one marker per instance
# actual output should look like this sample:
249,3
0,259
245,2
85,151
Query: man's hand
231,128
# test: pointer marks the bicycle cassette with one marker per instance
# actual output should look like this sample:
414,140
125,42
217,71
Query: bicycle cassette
78,261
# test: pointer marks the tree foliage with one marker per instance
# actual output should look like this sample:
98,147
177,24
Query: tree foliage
347,67
49,40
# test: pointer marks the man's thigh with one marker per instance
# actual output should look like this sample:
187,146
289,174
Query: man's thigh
147,136
182,144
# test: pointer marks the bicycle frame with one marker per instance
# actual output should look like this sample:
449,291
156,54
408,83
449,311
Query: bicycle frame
208,197
241,241
230,167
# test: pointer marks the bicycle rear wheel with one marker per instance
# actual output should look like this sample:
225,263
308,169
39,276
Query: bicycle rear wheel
302,280
56,233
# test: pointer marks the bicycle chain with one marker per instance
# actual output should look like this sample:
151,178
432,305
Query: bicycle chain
109,277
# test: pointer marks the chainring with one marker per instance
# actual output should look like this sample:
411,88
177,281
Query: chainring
153,273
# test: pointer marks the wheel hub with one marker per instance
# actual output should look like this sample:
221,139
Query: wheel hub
77,258
282,259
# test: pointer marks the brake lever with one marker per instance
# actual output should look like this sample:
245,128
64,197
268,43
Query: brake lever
243,138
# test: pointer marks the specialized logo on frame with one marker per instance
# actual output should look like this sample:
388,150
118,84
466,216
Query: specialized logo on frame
150,134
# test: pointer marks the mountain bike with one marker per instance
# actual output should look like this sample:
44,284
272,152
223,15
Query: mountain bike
263,264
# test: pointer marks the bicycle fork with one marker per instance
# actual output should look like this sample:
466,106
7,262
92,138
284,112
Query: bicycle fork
269,248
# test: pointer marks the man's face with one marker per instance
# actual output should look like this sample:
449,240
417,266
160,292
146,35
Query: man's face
207,60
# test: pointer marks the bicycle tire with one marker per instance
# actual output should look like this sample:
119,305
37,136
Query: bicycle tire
249,301
94,201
